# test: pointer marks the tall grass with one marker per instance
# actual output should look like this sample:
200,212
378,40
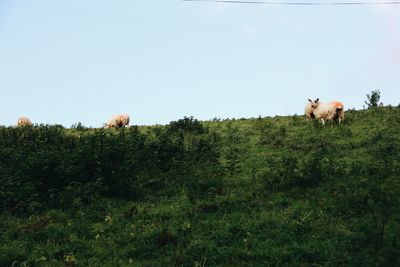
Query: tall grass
259,192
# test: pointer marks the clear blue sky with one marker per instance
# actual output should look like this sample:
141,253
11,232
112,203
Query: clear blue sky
159,60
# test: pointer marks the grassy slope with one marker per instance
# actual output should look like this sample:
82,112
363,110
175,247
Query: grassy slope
271,213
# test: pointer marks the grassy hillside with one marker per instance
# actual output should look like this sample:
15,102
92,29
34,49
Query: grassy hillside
275,191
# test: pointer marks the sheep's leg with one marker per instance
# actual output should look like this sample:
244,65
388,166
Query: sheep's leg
323,122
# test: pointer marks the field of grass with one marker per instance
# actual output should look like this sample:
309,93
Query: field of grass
274,191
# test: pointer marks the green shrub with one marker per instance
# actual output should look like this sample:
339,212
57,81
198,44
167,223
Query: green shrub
44,166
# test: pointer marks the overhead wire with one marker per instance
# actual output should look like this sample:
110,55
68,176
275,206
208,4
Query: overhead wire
298,3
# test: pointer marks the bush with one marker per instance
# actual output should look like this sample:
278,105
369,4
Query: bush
45,166
373,99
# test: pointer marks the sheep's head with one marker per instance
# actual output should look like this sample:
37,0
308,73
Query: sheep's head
315,103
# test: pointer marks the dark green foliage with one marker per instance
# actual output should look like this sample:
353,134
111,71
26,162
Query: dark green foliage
233,151
373,99
78,126
44,166
278,191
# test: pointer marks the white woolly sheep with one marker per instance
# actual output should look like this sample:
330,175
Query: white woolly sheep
24,121
327,111
120,120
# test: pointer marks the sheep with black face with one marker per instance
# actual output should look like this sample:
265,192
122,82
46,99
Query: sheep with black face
333,110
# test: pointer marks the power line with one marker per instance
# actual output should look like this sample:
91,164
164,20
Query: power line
297,3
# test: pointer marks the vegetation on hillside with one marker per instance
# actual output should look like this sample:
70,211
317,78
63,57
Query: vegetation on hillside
254,192
373,99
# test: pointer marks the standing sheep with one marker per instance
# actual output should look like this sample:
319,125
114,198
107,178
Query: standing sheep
24,121
119,121
327,111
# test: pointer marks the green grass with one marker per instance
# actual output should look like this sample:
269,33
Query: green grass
290,193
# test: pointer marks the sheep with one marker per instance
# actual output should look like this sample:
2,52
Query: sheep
24,121
120,120
327,111
308,111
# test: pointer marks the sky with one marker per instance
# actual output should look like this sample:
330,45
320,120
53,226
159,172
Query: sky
69,61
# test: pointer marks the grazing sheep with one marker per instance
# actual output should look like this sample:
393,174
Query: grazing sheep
23,121
327,111
119,121
308,110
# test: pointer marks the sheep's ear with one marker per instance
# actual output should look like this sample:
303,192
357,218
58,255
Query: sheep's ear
316,100
310,100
